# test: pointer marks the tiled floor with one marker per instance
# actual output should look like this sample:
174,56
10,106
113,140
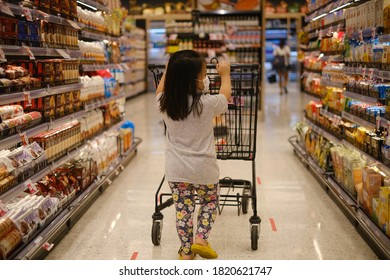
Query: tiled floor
307,223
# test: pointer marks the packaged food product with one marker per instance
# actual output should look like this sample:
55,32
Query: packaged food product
6,225
9,243
384,208
10,111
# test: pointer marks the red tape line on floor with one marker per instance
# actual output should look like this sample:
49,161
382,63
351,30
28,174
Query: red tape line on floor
258,180
134,256
273,225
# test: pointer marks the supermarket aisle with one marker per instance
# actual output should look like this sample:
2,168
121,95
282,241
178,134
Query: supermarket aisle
299,220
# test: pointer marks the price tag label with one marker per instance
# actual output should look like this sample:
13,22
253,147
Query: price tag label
339,28
2,56
48,246
24,138
73,24
3,209
31,187
361,35
371,73
27,98
29,52
63,53
364,72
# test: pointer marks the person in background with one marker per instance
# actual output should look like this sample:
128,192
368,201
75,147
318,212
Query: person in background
281,64
190,157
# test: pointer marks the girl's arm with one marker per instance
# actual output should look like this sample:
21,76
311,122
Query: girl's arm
223,69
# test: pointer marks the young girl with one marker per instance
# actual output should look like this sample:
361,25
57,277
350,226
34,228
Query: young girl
190,158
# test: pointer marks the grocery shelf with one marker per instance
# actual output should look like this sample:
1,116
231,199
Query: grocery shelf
36,177
330,114
39,52
8,98
331,84
358,120
94,4
323,132
62,223
163,17
15,139
89,67
102,102
312,96
381,239
380,242
96,36
38,14
364,98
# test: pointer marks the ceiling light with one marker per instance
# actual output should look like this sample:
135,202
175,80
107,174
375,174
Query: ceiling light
318,17
339,8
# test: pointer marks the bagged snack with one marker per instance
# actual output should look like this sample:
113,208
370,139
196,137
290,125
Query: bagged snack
6,225
9,243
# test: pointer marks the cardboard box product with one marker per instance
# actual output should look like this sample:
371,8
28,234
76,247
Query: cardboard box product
372,181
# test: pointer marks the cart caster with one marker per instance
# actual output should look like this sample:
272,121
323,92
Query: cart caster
254,236
156,232
245,200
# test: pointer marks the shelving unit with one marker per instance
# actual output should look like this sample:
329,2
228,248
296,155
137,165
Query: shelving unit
368,69
67,215
40,52
359,218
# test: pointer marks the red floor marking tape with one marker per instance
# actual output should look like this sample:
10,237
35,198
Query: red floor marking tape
134,256
273,225
258,180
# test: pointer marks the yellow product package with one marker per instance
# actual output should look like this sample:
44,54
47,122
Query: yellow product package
384,208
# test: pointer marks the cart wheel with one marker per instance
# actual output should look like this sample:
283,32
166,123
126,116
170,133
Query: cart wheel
245,201
156,232
254,236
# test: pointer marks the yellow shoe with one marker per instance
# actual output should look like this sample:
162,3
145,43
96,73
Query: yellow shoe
205,251
181,257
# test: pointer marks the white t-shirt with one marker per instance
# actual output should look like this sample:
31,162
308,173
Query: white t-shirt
285,51
190,155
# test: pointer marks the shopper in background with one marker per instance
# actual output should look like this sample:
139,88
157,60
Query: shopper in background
281,64
190,157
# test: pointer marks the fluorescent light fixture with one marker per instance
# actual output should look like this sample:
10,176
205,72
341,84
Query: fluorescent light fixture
318,17
86,5
342,6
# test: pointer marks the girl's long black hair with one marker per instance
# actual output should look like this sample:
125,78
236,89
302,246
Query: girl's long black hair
183,70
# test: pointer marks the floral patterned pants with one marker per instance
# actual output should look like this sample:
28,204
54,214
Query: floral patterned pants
184,199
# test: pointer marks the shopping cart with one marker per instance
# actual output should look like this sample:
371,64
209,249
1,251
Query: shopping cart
235,135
